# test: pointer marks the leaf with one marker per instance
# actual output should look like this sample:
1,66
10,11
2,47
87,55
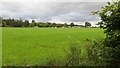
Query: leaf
108,3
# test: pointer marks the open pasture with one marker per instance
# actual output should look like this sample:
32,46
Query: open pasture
39,46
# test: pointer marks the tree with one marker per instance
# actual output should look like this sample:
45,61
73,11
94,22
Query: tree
15,23
33,21
65,25
40,24
51,25
71,24
54,24
110,16
101,24
48,24
26,23
87,24
59,25
33,24
1,19
20,22
8,21
43,24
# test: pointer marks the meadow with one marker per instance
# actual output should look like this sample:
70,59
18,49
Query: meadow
42,46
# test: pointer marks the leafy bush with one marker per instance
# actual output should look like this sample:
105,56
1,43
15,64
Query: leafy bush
98,53
110,16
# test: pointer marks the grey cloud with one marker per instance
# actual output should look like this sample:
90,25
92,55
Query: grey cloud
57,0
52,11
11,6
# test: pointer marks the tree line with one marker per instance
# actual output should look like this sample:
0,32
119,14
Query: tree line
11,22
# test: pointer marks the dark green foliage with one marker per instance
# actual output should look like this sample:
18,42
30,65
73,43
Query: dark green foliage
87,24
110,16
65,25
98,53
25,24
102,55
3,24
71,24
59,25
14,23
101,24
33,24
42,24
52,25
1,21
20,23
33,20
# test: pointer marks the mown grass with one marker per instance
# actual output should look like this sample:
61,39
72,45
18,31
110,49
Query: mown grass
42,46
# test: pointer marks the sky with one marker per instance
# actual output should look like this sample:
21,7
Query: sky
59,12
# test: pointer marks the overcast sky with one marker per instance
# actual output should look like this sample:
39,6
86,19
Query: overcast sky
60,12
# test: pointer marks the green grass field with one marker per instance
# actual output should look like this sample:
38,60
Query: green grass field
38,46
0,46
